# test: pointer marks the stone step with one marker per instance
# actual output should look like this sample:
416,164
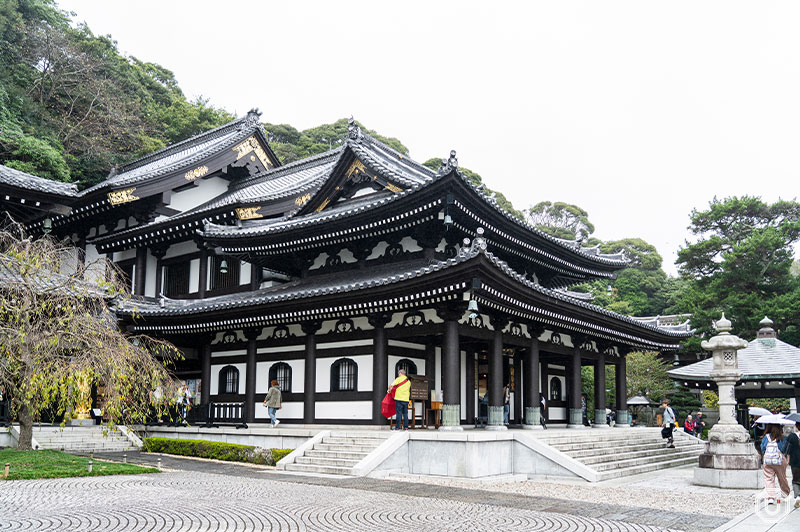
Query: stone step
596,437
363,435
335,454
309,468
583,446
374,442
344,448
632,462
654,446
332,462
636,470
615,457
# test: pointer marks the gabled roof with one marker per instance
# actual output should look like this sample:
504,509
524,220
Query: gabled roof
763,359
183,154
21,180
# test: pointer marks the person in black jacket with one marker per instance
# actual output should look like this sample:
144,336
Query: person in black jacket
793,452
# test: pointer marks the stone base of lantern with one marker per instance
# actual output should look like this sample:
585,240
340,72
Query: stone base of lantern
729,478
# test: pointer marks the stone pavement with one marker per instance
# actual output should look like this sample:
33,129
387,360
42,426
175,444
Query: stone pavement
203,495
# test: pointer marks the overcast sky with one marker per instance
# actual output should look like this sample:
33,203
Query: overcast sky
636,111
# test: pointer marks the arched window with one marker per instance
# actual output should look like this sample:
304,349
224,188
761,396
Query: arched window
281,372
344,375
406,364
228,380
555,389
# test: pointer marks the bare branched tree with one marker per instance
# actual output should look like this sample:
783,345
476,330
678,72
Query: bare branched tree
58,335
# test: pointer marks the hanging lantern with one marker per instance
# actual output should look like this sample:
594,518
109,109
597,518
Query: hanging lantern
223,267
47,225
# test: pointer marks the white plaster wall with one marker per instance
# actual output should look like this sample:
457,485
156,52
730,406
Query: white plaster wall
298,375
124,255
205,190
95,265
181,248
343,409
353,343
150,276
216,368
289,410
229,353
558,413
244,273
194,275
407,345
364,377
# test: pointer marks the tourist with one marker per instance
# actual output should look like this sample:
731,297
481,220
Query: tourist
402,393
506,403
668,424
543,415
184,400
688,425
793,451
699,425
273,402
757,432
773,448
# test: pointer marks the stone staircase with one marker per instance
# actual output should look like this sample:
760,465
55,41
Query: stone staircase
82,440
338,452
616,453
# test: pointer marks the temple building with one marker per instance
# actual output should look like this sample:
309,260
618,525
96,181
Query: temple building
331,273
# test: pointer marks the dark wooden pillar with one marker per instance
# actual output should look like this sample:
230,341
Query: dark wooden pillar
470,377
600,391
159,253
451,373
250,376
140,275
255,276
622,417
310,329
430,364
205,372
495,377
202,282
575,418
531,384
545,390
380,365
82,249
517,386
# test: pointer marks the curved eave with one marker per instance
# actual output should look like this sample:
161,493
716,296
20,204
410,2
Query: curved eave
501,289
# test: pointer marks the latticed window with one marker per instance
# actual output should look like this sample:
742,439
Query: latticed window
224,272
344,375
228,380
555,390
407,365
176,279
281,372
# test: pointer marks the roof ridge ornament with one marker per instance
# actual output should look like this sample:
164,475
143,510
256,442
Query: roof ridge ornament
353,130
253,117
449,164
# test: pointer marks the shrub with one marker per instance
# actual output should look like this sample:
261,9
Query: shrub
231,452
278,454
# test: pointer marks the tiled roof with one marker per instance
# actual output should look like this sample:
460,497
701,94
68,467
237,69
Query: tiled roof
181,154
46,281
762,359
353,280
16,178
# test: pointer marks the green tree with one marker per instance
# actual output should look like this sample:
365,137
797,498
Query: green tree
646,375
58,337
740,264
562,220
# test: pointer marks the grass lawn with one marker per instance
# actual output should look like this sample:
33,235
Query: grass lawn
55,464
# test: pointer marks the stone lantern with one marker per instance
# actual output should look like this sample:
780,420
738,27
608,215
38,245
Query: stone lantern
729,461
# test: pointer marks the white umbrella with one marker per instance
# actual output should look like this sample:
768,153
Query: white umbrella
758,411
775,419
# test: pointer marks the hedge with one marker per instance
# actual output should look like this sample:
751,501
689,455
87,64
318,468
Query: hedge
231,452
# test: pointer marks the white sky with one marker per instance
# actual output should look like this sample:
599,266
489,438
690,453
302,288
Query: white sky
636,111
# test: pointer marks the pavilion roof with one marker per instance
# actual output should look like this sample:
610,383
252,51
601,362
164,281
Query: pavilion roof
16,178
764,359
396,274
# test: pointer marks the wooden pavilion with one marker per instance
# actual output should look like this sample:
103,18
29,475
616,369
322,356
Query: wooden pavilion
331,273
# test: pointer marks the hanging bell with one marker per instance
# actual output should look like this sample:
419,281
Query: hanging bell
473,306
223,266
47,225
448,220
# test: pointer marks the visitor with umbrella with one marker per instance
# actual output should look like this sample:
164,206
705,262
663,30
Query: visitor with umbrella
774,449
